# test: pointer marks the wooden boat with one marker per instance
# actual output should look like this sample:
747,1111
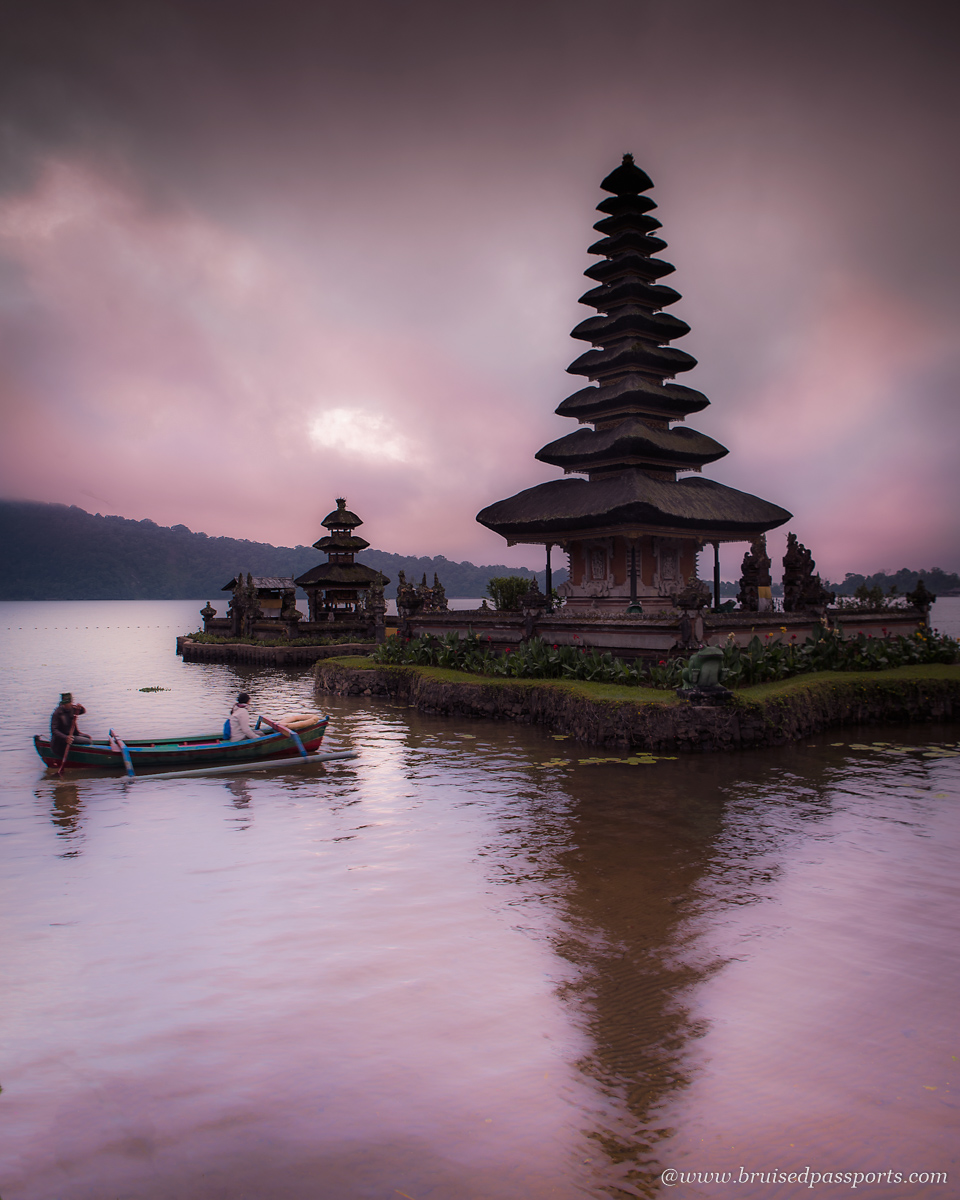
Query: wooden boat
197,750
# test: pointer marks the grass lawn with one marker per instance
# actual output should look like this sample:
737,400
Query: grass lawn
638,695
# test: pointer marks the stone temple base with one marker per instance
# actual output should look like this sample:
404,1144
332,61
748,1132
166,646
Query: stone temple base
652,636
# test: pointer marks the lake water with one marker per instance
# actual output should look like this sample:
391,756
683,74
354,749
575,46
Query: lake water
471,964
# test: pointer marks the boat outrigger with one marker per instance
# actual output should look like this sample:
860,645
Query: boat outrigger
291,736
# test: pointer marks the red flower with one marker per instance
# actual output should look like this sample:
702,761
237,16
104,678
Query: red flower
793,637
555,646
662,662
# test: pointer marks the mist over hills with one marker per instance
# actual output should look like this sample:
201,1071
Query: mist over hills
56,552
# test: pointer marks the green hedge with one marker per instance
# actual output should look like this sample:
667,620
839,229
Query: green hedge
763,660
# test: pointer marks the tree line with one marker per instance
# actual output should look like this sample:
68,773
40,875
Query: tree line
56,552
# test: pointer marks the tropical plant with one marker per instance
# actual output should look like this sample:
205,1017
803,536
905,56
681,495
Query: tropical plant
507,590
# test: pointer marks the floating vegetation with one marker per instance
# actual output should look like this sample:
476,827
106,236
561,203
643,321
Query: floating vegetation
632,760
154,689
928,750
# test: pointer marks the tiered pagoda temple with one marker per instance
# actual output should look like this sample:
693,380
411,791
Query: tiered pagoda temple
631,528
338,585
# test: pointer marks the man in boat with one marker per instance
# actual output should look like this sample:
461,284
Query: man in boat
240,727
63,725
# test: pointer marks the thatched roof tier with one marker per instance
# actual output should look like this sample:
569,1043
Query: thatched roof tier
263,583
630,291
617,206
631,504
627,179
341,517
345,575
342,542
628,240
638,322
628,220
631,443
633,394
647,357
632,265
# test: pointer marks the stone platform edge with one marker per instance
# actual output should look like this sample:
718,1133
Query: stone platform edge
264,656
768,715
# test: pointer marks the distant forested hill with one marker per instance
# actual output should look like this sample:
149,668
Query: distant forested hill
941,583
52,552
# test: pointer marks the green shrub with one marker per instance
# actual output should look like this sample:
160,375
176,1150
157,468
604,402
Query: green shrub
762,661
507,591
215,639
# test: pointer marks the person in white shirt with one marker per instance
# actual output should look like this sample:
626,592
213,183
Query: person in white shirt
240,727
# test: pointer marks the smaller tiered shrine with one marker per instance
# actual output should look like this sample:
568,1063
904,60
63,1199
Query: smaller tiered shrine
339,587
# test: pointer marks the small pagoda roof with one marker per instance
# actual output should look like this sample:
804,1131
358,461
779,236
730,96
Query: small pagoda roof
618,206
346,575
341,517
628,220
637,321
633,356
630,291
263,583
632,500
341,541
632,264
631,441
627,179
633,394
628,240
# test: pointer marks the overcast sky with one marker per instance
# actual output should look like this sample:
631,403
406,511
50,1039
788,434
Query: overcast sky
257,256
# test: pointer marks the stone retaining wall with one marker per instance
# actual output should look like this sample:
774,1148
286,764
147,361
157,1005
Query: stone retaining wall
797,713
650,637
266,656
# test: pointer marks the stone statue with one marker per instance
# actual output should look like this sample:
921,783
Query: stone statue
694,595
701,678
922,599
755,578
533,604
208,612
241,606
377,610
252,611
409,603
802,590
439,595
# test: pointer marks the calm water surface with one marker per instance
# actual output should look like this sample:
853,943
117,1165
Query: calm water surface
468,965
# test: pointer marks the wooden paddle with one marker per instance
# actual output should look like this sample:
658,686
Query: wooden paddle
127,760
63,761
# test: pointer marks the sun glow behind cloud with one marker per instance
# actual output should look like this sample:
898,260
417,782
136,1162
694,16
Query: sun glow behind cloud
359,433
